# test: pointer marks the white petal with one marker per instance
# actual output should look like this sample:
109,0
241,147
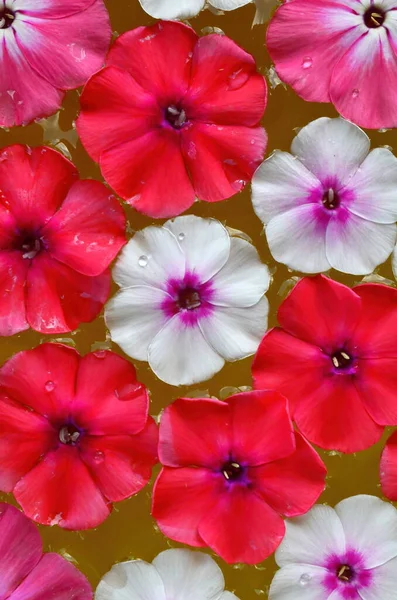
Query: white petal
331,148
151,257
189,575
279,184
384,583
375,187
297,239
229,4
394,262
244,278
299,582
370,527
236,332
205,243
172,9
179,354
311,538
133,580
134,317
354,245
228,596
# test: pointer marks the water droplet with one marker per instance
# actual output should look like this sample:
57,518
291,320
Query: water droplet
49,386
307,62
99,457
143,261
181,237
355,93
100,353
237,79
305,579
129,391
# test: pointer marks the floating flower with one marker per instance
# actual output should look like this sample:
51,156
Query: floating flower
346,553
28,574
47,47
340,51
74,434
335,359
188,286
331,204
230,470
173,116
175,574
58,236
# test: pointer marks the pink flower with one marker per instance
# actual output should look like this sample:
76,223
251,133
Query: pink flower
46,48
57,238
230,470
173,117
28,574
75,434
335,359
340,51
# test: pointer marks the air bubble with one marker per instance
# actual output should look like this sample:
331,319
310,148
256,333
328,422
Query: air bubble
181,237
307,62
143,261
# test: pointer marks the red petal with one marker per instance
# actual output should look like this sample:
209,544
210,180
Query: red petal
181,499
388,468
261,426
54,578
225,86
34,182
60,490
242,528
42,378
13,272
158,57
89,229
59,299
376,384
8,225
320,311
109,399
24,437
292,485
121,465
195,431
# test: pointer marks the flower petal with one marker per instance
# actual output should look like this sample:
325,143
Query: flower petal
164,9
376,385
51,9
384,583
299,582
13,272
132,580
388,468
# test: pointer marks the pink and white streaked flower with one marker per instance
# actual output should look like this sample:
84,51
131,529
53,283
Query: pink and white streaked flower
346,553
331,203
191,298
46,48
175,574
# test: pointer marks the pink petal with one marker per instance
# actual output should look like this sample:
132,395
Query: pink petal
292,485
42,379
242,528
158,57
109,400
13,272
65,51
376,384
121,465
59,299
182,498
195,431
87,232
20,548
225,86
51,9
54,578
305,40
388,468
61,491
34,183
221,160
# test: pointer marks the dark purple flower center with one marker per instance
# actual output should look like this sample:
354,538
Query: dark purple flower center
342,360
69,434
7,18
30,245
188,299
374,17
345,573
175,116
232,471
331,199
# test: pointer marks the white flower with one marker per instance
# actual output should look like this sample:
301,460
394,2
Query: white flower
332,204
346,553
175,574
191,297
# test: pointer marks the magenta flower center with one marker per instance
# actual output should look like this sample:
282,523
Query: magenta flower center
69,435
188,299
175,116
232,471
374,17
330,199
342,360
345,573
7,18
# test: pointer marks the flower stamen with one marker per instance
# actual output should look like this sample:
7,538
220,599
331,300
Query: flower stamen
345,573
232,471
374,17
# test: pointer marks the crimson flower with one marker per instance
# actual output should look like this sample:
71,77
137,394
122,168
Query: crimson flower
335,359
58,235
173,117
230,470
74,434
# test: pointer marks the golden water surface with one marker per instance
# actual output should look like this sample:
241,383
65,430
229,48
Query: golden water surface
130,532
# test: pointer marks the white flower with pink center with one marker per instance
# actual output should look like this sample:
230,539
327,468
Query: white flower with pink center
346,553
331,203
191,298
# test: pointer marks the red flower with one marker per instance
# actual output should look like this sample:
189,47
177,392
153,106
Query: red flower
335,359
173,116
230,470
74,434
57,238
